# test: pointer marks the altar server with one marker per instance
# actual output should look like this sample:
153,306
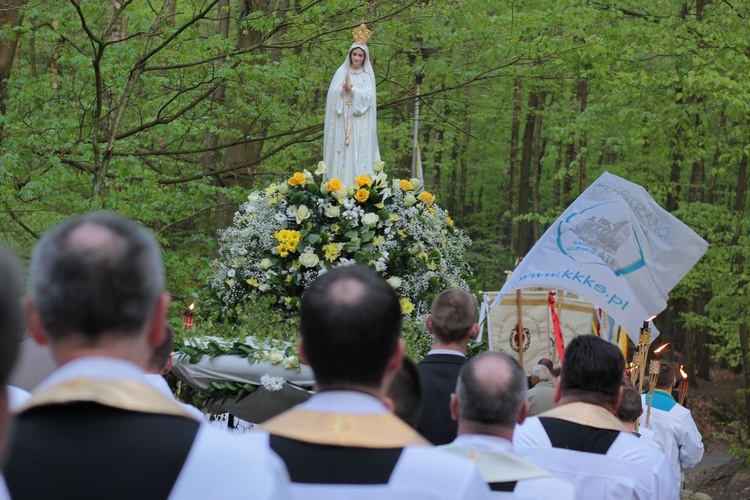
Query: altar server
581,439
95,428
673,425
343,443
489,400
11,328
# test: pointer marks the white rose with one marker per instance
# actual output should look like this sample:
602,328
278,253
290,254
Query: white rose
394,281
309,259
378,166
332,211
264,287
301,213
283,188
370,219
265,263
292,361
254,197
379,179
339,194
308,176
409,200
322,168
396,184
416,183
271,190
275,357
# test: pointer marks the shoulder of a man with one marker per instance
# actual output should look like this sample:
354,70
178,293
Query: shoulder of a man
531,434
627,447
545,487
442,474
222,465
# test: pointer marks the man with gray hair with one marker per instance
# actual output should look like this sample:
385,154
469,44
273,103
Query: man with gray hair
541,396
488,402
452,322
95,428
11,328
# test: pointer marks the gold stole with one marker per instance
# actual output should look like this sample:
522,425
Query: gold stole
128,395
586,414
381,430
499,467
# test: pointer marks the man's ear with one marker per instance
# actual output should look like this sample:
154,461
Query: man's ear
397,359
157,327
34,322
301,352
168,365
618,400
388,403
523,413
455,413
558,391
428,322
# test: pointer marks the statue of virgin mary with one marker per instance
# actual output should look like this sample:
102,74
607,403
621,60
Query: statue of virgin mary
350,138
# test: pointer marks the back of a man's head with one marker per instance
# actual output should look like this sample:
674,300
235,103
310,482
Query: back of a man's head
163,352
405,392
453,314
667,375
491,390
631,407
96,274
540,372
350,322
546,362
592,370
11,313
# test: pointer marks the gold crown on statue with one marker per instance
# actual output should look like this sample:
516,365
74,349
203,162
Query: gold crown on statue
362,34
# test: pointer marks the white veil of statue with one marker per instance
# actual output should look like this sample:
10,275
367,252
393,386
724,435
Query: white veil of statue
350,137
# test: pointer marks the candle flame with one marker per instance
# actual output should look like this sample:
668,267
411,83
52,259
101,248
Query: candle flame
682,372
191,306
659,349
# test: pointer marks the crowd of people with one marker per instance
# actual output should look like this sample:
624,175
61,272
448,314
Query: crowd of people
104,425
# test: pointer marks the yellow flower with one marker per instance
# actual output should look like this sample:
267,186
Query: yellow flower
298,179
331,251
431,210
230,283
334,185
378,240
449,221
363,180
406,306
431,265
422,255
272,200
394,217
252,282
362,195
288,240
426,197
406,185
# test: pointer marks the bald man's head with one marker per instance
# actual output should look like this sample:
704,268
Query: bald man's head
491,390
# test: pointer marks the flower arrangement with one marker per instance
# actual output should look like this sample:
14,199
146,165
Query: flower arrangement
285,236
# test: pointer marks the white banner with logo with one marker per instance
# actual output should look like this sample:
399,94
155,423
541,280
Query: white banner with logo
616,247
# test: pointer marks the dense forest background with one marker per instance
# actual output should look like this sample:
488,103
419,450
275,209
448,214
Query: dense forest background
169,111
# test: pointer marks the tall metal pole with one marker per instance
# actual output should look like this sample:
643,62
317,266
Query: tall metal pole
415,144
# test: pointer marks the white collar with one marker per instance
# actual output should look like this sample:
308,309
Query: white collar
484,442
98,367
447,351
344,402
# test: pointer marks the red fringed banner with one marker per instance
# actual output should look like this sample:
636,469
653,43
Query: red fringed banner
559,342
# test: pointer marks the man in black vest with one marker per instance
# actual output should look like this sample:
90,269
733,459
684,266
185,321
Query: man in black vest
582,440
343,442
452,322
11,328
95,428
